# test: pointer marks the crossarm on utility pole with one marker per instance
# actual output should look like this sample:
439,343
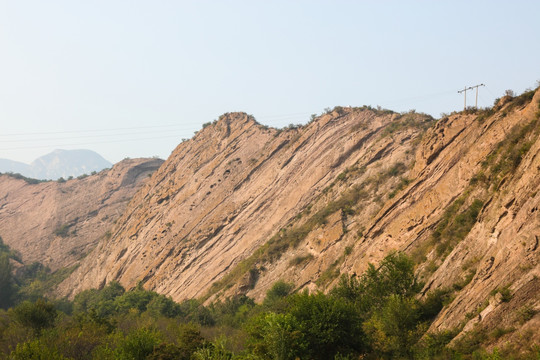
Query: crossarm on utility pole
465,95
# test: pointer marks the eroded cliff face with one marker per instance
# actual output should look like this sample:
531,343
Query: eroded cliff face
225,193
241,206
58,223
488,161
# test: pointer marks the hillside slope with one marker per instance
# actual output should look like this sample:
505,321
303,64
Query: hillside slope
241,206
57,223
220,196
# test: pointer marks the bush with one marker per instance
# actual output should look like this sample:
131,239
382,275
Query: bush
62,231
300,259
433,346
525,313
213,351
506,294
21,177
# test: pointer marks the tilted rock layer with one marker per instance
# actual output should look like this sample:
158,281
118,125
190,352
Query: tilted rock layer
223,194
57,223
241,206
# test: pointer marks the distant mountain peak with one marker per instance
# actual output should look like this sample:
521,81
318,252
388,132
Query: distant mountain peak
58,163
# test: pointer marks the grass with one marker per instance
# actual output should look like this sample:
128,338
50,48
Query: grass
498,332
455,225
525,313
292,236
409,120
508,154
331,273
521,100
403,183
465,281
300,259
62,230
506,294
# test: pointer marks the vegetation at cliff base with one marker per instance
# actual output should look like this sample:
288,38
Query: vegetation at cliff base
377,315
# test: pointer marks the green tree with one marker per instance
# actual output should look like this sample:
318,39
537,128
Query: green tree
214,351
394,328
164,306
6,281
275,336
394,277
138,344
36,316
79,337
168,352
102,302
189,339
193,310
137,299
278,291
35,350
330,325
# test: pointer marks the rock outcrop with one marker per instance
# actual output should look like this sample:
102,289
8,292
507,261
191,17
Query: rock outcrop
222,195
58,223
241,206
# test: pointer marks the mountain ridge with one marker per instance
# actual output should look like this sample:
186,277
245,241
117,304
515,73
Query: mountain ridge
57,223
307,204
241,206
272,157
58,164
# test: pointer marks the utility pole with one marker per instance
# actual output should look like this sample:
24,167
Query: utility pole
465,95
477,86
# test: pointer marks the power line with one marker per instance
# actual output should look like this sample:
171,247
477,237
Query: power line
88,136
420,97
90,130
90,143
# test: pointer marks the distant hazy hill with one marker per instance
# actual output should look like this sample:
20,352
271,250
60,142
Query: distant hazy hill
59,163
14,167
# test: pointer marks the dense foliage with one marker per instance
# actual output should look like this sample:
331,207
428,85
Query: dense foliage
373,316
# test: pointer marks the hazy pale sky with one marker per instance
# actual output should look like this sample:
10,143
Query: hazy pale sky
132,78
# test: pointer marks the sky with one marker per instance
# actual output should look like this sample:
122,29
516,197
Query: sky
133,78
